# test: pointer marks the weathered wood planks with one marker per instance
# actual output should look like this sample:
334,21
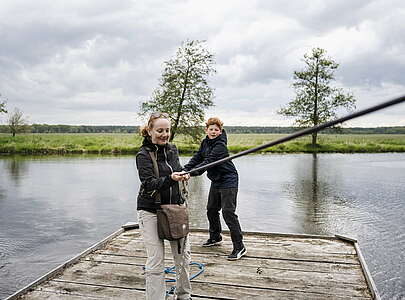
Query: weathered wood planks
276,267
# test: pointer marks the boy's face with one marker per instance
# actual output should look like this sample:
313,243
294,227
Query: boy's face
213,131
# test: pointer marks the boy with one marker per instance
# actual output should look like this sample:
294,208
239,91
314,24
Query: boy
224,187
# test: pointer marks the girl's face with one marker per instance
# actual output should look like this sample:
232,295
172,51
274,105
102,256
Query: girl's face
213,131
160,131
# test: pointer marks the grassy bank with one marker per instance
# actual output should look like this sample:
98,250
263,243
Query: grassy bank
347,143
130,143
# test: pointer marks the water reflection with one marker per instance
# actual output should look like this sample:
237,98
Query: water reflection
315,200
308,197
314,178
16,167
304,192
198,194
198,202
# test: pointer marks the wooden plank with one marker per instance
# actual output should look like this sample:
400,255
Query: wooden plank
50,295
218,267
272,234
103,256
236,293
286,280
291,243
132,276
367,275
200,291
336,248
130,247
54,290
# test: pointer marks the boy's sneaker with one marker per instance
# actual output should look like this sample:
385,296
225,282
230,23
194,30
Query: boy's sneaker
212,242
237,254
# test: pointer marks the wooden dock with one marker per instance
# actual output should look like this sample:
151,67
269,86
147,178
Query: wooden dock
277,266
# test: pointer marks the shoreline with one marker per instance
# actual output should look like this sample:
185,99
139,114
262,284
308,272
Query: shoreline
129,144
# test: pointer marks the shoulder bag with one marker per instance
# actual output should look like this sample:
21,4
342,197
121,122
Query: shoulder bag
172,219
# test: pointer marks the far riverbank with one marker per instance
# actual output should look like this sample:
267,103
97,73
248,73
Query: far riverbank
117,143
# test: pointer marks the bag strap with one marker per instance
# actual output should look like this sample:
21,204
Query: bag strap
153,157
183,189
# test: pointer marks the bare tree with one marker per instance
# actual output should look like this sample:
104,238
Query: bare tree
17,123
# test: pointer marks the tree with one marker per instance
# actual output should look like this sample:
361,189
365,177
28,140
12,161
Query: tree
183,90
316,101
17,123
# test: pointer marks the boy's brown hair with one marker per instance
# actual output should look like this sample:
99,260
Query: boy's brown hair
214,121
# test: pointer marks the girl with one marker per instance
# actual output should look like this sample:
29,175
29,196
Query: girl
156,136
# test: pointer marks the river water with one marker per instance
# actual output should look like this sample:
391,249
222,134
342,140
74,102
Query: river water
52,208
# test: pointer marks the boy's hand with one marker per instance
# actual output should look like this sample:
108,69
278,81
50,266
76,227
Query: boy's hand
186,176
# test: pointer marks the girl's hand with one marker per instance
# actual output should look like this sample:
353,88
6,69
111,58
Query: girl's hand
180,176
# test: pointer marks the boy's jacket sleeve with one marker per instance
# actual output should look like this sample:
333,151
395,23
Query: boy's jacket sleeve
195,160
218,152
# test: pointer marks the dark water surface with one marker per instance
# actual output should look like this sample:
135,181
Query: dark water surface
52,208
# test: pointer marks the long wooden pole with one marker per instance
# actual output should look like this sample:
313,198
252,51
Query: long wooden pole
304,132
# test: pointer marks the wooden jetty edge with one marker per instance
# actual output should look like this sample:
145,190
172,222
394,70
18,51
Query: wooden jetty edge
277,266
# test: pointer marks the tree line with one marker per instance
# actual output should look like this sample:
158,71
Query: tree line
46,128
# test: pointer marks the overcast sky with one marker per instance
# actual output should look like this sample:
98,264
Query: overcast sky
93,62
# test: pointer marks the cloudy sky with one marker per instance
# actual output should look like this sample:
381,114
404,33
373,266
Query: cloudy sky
94,61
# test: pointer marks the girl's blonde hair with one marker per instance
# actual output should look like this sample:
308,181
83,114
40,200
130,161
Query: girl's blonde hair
214,121
154,116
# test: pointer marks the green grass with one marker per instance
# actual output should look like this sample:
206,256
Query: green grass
130,143
70,143
347,143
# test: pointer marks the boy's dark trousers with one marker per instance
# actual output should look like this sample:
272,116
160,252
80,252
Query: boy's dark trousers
224,199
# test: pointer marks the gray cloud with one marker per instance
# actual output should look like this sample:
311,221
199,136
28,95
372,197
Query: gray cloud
63,62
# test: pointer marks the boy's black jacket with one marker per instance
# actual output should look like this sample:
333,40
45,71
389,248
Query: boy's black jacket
223,175
168,162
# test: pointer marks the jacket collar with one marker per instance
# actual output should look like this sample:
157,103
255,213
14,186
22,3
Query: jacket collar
220,138
147,143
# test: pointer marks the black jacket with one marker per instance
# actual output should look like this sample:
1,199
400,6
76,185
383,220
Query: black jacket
168,162
223,175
